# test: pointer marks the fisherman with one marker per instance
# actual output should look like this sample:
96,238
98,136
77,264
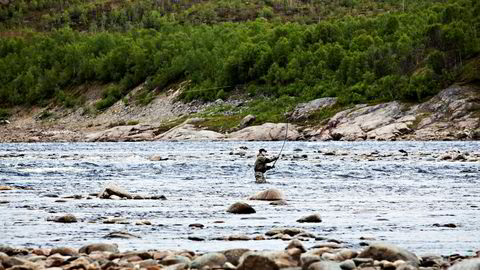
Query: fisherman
261,166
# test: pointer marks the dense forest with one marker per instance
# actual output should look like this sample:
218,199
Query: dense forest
286,50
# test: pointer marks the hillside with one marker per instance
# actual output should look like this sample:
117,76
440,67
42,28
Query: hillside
272,55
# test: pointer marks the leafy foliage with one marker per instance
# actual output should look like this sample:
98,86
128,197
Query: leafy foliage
285,51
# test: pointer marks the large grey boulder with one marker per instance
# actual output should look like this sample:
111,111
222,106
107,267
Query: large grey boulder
187,131
267,132
383,251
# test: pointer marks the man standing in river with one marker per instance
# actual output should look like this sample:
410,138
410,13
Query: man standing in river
261,166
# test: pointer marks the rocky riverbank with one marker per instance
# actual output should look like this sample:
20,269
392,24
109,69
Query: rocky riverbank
295,256
453,114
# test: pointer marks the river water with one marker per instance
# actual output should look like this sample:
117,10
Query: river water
361,189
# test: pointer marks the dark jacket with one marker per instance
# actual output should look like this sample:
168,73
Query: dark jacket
261,163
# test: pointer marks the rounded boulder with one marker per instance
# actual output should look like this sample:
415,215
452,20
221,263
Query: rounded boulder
271,194
241,208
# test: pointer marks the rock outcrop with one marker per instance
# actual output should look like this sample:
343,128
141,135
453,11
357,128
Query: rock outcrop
189,131
452,114
123,134
267,132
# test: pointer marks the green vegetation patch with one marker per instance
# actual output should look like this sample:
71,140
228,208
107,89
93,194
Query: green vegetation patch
4,114
323,115
221,123
271,110
471,71
283,51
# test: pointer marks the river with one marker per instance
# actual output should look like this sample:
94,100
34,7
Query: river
360,189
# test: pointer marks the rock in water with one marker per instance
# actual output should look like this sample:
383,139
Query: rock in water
69,218
99,247
114,190
314,218
272,194
384,251
122,235
471,264
241,208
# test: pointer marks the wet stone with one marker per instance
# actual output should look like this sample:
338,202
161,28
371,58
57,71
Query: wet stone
233,255
65,251
69,218
240,208
196,225
175,259
313,218
196,238
121,235
210,259
87,249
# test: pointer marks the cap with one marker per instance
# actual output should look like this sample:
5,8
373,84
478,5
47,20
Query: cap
262,150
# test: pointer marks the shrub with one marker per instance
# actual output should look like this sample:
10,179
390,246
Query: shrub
4,114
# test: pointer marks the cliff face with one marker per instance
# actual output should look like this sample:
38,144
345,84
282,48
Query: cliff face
453,114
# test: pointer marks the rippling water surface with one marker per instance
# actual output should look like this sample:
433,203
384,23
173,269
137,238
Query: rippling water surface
366,189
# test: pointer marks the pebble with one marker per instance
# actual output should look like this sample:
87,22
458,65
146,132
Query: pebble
295,257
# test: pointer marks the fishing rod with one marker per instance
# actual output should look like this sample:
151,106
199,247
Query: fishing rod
283,145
